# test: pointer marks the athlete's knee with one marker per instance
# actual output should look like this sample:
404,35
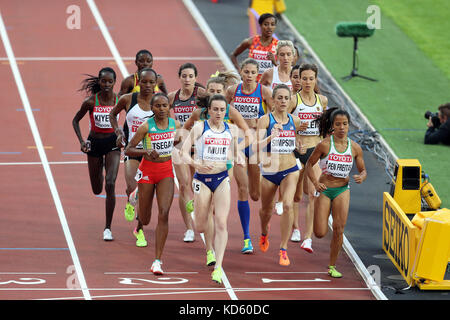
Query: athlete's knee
320,232
110,187
254,195
298,197
287,206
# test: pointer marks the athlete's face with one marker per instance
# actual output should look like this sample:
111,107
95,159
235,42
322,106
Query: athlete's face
147,82
188,78
340,126
215,88
249,73
144,60
106,81
217,110
281,99
268,27
308,80
285,56
160,107
295,79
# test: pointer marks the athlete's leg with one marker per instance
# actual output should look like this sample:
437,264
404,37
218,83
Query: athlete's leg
221,211
310,191
287,187
164,197
322,207
182,172
112,161
146,193
339,208
95,167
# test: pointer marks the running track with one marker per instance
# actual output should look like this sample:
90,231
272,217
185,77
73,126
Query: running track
51,224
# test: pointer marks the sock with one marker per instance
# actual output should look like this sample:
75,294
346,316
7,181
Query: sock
244,215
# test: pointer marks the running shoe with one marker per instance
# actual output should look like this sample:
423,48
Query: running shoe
284,260
279,208
189,236
140,242
248,247
129,212
216,275
296,236
210,258
190,206
333,272
156,268
107,235
306,245
264,243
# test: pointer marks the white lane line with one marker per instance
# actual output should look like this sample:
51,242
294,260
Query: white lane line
43,157
108,39
108,58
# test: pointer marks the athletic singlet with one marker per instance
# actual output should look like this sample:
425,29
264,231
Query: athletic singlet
258,52
160,140
135,117
308,114
214,146
226,118
276,80
136,87
285,142
99,117
184,108
250,106
335,163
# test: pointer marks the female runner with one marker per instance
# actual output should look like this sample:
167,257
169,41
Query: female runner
101,149
138,109
250,98
155,172
183,103
276,139
336,154
280,74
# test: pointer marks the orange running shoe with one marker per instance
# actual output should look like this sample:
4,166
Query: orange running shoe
284,260
264,243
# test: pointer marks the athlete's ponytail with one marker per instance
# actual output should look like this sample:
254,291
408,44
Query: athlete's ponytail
91,85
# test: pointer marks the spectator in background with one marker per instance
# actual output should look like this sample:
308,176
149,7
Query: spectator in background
435,135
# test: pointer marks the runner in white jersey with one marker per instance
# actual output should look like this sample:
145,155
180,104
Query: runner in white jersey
183,103
280,74
308,106
215,142
137,107
336,153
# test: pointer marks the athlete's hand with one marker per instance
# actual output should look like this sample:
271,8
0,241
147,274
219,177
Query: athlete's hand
303,126
275,132
320,187
85,146
152,155
358,178
120,141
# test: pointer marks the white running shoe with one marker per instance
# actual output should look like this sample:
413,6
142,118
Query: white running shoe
307,245
156,268
279,208
189,236
296,236
107,235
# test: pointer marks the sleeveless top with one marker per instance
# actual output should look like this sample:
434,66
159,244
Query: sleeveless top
258,52
214,146
250,106
160,140
285,142
308,114
184,108
335,163
276,80
135,117
99,117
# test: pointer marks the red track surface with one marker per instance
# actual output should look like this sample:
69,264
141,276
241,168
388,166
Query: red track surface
35,262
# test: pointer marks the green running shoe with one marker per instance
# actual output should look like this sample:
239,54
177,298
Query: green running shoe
216,275
129,212
190,206
333,272
140,242
248,247
210,258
